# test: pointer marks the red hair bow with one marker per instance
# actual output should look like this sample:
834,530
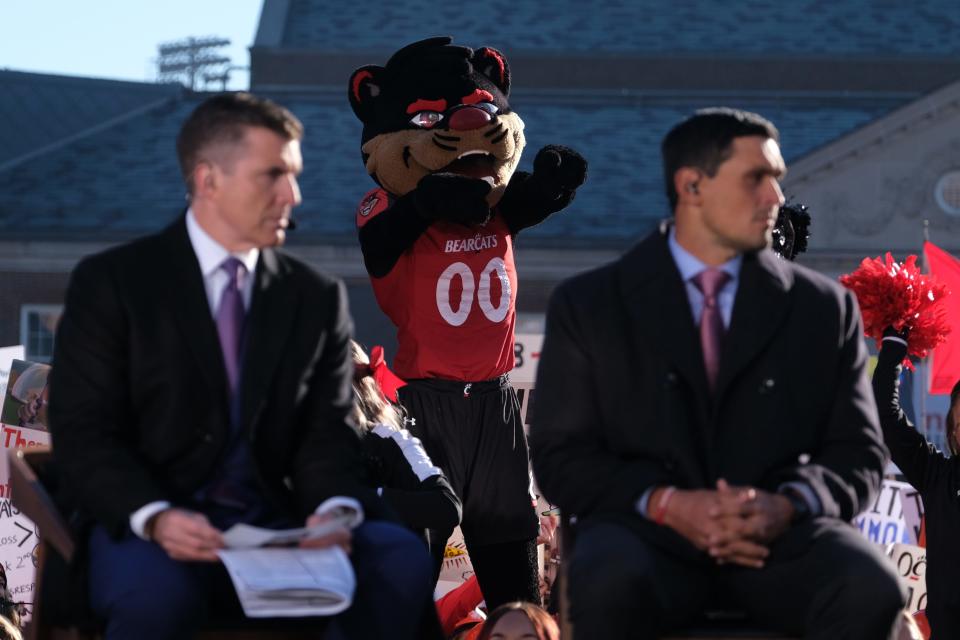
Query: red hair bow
387,380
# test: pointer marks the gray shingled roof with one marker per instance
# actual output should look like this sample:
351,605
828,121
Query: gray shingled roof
124,181
801,27
37,110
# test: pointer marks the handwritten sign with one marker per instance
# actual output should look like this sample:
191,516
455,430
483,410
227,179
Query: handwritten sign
457,567
911,565
23,424
526,357
884,522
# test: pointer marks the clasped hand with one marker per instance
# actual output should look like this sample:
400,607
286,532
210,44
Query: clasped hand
733,524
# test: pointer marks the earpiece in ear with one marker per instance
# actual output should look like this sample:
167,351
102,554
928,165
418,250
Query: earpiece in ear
692,188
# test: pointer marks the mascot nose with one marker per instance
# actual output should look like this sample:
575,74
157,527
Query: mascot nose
467,118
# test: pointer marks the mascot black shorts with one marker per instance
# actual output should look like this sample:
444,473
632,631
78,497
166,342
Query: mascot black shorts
474,433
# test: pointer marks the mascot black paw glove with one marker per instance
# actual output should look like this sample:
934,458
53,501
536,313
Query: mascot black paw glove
558,171
452,197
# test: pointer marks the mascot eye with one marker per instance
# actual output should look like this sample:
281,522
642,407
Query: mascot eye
489,107
426,119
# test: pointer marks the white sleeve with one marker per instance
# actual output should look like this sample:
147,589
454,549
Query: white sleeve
140,517
343,502
413,451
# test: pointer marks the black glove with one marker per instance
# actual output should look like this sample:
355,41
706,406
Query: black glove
452,197
886,375
558,171
894,350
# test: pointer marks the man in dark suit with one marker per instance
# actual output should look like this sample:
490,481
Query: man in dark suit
704,412
201,378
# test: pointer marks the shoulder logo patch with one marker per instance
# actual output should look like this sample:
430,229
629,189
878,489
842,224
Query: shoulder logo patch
368,205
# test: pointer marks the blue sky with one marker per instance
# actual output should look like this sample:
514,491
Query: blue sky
118,39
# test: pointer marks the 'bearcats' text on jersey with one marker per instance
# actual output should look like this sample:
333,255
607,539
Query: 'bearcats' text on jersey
452,296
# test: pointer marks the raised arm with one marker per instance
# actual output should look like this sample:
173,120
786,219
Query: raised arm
531,197
910,451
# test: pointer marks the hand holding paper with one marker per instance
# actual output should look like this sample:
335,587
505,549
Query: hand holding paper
327,530
333,524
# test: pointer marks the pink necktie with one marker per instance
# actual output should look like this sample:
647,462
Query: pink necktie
710,282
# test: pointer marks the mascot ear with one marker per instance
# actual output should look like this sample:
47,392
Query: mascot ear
364,90
493,64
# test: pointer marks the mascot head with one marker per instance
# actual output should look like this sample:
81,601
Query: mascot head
436,107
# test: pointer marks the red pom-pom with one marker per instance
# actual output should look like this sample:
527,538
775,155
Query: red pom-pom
897,295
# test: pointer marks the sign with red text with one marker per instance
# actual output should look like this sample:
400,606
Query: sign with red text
911,565
526,357
23,424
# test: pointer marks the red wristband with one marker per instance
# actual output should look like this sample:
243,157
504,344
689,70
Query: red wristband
660,514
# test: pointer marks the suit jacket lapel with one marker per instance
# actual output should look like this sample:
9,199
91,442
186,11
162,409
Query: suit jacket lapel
186,294
759,309
659,312
273,308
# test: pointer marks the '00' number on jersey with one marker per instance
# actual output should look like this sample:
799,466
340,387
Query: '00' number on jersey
495,313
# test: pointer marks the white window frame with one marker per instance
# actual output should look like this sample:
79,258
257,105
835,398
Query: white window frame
25,312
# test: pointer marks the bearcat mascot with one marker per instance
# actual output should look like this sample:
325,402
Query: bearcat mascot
440,140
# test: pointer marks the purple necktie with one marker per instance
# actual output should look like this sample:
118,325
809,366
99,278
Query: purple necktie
711,282
230,317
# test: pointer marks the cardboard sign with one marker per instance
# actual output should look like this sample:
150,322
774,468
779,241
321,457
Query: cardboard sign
23,424
526,349
526,357
884,522
525,398
25,401
19,537
456,568
911,565
912,512
7,356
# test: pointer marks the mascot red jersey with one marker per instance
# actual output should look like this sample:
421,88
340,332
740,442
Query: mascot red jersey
437,236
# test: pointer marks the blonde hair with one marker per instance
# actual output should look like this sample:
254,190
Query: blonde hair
370,407
9,630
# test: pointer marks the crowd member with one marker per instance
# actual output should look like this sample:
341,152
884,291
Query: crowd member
201,378
10,610
519,621
702,446
8,630
399,467
934,475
